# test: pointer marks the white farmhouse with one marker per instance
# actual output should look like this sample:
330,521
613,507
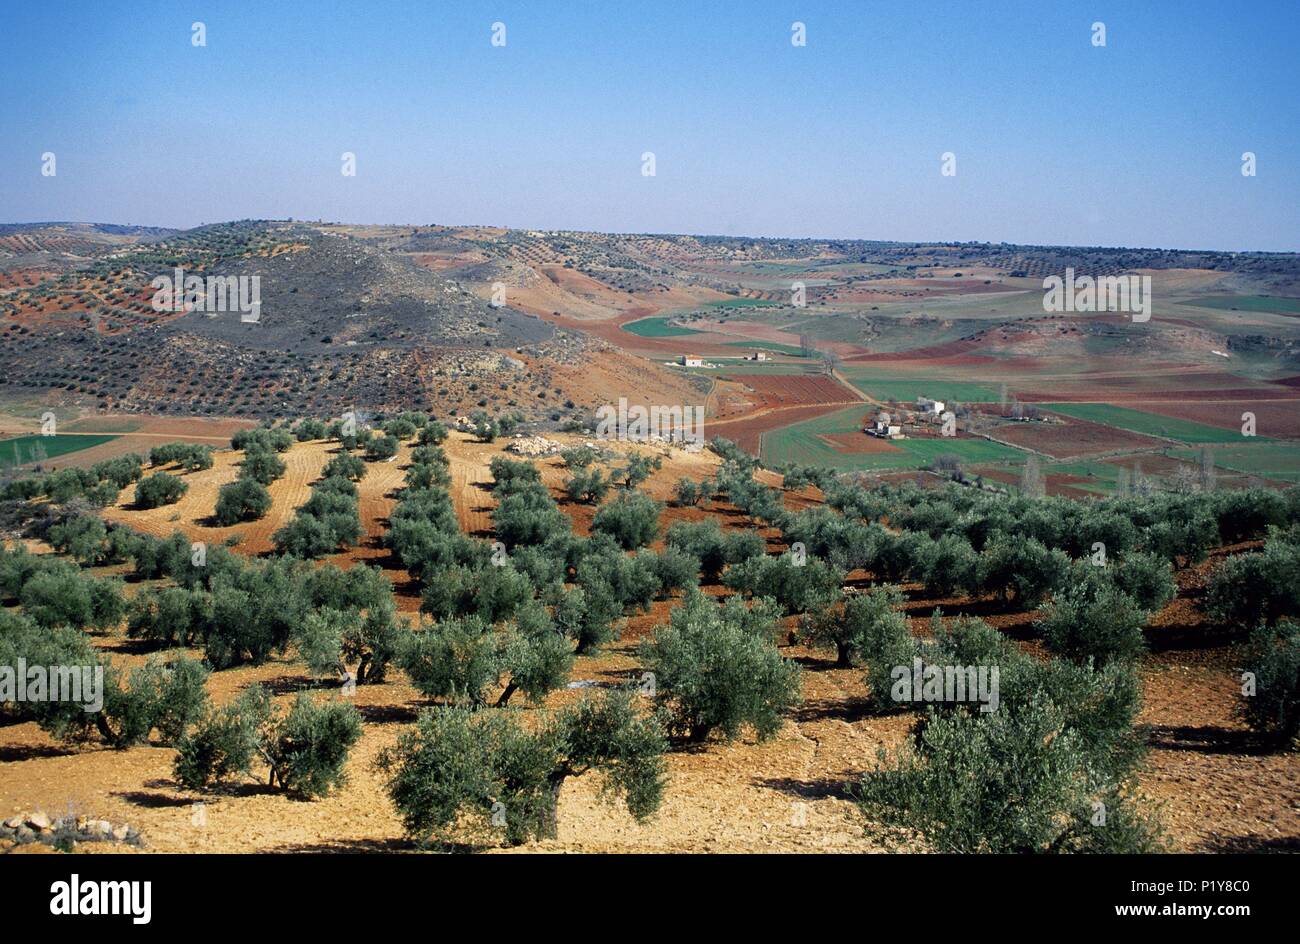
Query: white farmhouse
692,360
926,405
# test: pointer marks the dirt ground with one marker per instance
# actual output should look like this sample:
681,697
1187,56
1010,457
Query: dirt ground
789,794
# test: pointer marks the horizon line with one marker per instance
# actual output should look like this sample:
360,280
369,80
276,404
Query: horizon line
596,232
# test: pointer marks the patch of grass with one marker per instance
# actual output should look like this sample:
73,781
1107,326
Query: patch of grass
1264,303
800,443
1151,424
883,385
1267,459
657,327
24,450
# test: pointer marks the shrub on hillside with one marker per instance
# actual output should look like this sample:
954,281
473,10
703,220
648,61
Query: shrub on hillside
262,466
159,489
712,672
241,500
1249,589
1272,708
484,767
951,784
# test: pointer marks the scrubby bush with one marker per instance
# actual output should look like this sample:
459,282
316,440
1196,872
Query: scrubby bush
484,768
159,489
84,537
799,587
871,620
241,500
714,548
588,486
631,519
687,493
1272,705
433,433
309,429
1248,589
1094,620
381,448
713,672
305,749
344,465
1025,567
953,781
455,660
262,466
309,747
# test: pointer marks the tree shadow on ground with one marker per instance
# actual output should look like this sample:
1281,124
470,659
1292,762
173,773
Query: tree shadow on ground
1255,844
1180,637
152,801
388,714
821,788
1208,739
16,752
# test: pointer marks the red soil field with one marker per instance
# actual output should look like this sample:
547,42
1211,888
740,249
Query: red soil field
773,401
857,444
1273,418
747,432
1072,438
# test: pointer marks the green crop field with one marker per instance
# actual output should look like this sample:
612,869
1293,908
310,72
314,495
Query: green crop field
27,449
883,386
1272,460
657,327
799,443
1150,423
1266,303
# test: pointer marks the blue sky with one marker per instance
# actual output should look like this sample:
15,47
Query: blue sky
1138,143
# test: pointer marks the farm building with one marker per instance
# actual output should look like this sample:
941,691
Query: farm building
692,360
883,429
926,405
756,356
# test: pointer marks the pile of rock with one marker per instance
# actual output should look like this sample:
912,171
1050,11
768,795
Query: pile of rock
534,446
64,832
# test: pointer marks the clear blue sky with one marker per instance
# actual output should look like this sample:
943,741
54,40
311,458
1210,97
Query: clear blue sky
1135,144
